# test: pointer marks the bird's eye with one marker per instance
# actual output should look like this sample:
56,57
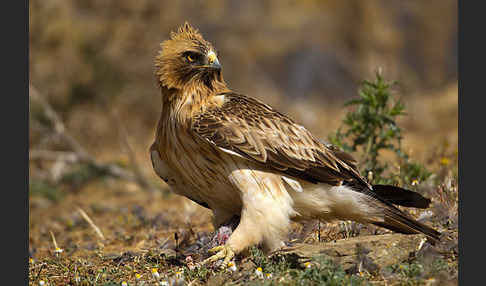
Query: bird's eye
191,57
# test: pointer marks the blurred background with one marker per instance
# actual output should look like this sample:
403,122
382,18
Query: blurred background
91,69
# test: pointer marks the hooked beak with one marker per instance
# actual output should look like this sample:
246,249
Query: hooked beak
213,61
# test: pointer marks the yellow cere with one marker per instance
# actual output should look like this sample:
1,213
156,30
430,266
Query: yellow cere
211,56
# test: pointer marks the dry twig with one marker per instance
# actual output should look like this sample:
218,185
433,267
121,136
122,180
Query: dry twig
91,223
54,240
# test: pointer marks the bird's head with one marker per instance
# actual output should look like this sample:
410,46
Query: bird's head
186,58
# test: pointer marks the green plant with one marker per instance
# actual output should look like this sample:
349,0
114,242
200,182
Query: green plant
198,273
270,265
44,189
325,272
81,174
371,127
288,271
416,272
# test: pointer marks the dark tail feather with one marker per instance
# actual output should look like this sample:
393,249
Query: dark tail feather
401,197
397,221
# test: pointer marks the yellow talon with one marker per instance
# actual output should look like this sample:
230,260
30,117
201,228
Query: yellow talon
216,249
222,252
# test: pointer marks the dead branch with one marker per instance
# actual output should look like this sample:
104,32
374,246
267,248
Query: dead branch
79,154
58,124
49,155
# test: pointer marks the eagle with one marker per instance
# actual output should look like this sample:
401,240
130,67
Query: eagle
238,156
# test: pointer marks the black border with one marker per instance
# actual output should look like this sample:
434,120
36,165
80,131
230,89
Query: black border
15,141
471,118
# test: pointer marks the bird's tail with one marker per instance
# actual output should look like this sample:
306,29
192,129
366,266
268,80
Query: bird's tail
395,219
401,197
403,224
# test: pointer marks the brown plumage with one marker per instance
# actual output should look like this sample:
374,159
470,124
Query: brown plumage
238,156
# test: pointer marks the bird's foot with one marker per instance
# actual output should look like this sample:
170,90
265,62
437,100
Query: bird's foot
222,252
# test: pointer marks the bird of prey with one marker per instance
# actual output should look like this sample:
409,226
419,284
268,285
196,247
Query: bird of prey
236,155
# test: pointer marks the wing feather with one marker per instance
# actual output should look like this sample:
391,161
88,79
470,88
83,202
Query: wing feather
252,129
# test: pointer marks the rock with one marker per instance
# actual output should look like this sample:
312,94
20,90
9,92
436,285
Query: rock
360,253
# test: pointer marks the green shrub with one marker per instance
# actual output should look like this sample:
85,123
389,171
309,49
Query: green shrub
371,127
288,271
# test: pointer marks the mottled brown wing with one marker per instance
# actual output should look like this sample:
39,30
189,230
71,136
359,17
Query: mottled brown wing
255,131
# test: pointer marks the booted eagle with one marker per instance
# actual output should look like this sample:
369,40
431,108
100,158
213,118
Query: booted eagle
239,156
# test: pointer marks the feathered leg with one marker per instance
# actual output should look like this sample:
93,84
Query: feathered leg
265,214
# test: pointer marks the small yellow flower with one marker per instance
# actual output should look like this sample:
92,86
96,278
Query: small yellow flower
232,266
444,161
268,275
58,250
415,182
124,283
137,276
307,265
155,273
178,274
259,272
31,260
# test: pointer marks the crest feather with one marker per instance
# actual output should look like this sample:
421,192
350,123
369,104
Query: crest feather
186,32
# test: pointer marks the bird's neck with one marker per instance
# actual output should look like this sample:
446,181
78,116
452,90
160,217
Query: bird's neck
180,105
